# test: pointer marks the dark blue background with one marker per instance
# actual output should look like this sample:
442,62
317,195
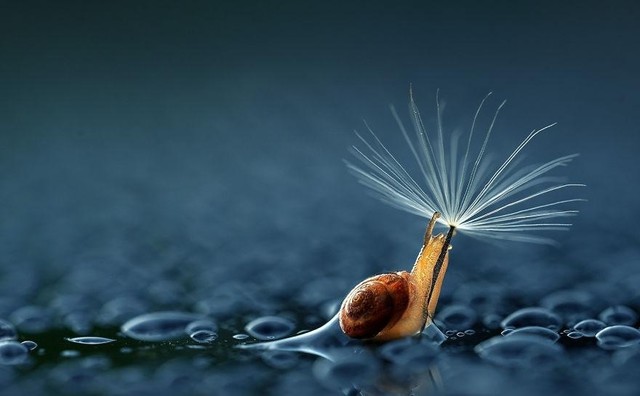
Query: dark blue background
161,138
176,103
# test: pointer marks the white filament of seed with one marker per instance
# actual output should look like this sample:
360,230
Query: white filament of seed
471,195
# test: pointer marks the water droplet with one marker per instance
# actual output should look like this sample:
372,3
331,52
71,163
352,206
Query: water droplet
519,351
204,336
270,327
618,336
240,336
201,325
7,331
32,319
31,345
532,316
589,327
575,335
535,331
457,317
90,340
159,326
571,305
13,352
470,332
618,315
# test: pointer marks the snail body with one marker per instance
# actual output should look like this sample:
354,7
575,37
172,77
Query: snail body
398,304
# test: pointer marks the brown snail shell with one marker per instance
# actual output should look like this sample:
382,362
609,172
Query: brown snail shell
374,304
399,304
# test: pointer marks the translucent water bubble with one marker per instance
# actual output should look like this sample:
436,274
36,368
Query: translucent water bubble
589,327
458,317
571,305
619,315
618,336
13,352
32,319
7,331
535,331
519,351
204,336
575,335
159,326
532,316
240,336
201,325
31,345
323,341
270,327
91,340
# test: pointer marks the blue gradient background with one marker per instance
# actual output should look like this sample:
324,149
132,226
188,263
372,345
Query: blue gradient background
206,103
128,125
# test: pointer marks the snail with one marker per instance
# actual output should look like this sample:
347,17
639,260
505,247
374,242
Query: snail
467,195
399,304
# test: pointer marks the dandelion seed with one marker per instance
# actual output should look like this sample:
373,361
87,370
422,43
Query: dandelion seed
506,202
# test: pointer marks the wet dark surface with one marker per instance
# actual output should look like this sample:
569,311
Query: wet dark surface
172,187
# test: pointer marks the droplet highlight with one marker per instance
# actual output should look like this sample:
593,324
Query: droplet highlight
159,326
270,327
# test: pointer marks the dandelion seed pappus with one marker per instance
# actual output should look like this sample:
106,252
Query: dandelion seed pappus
501,202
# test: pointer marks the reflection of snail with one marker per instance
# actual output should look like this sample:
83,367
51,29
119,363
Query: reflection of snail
465,196
398,304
